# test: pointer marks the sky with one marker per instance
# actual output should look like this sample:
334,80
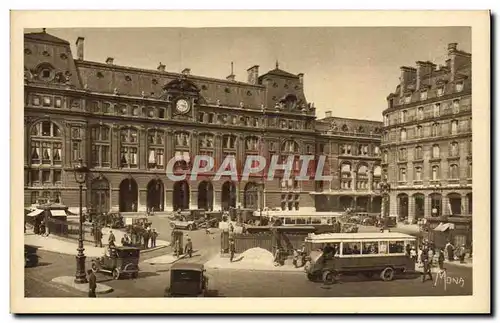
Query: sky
347,70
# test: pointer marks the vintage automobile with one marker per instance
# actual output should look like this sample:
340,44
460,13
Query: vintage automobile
187,280
349,228
188,219
118,261
30,256
368,253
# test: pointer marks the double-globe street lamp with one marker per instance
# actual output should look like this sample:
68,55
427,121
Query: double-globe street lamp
81,172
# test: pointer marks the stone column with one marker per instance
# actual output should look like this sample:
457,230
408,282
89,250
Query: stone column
370,181
115,200
168,200
465,205
115,146
142,200
218,143
193,197
217,199
142,154
427,206
353,181
444,205
411,208
169,146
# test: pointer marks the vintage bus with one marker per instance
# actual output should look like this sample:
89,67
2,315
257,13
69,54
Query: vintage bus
369,253
323,222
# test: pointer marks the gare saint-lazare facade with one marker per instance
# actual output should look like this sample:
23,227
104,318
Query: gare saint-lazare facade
127,123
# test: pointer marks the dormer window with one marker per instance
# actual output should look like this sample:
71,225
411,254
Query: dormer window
459,87
456,106
437,109
440,91
423,95
407,98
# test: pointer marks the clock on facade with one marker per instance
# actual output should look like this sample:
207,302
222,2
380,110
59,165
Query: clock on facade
182,106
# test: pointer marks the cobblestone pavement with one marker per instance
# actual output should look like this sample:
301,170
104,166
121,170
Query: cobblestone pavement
153,279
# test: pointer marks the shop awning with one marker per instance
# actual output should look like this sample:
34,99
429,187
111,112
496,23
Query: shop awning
58,212
35,213
444,226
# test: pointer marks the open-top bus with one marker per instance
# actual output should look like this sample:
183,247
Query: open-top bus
369,253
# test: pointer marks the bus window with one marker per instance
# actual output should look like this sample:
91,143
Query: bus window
396,247
351,248
370,248
301,221
315,221
324,220
383,247
289,221
308,220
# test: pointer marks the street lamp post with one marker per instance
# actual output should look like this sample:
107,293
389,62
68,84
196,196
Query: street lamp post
80,177
385,188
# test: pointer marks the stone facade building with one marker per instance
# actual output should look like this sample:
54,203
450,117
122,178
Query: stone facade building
353,153
427,140
127,123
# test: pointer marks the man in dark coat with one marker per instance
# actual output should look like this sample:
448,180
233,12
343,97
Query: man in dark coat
189,248
427,264
92,283
111,239
146,235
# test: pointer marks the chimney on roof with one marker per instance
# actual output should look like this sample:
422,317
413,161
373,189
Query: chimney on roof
231,77
458,59
79,47
328,114
423,68
161,67
301,78
253,74
452,47
186,71
407,76
110,60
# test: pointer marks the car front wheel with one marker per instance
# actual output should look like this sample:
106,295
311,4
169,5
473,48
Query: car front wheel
116,274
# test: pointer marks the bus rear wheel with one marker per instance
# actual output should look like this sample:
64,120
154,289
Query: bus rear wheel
387,274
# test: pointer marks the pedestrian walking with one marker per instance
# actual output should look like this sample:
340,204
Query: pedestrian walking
408,249
154,235
461,253
419,256
450,251
189,248
92,283
126,240
177,248
232,250
427,266
431,255
413,254
441,259
111,239
146,235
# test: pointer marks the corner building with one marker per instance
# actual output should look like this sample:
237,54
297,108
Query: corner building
427,140
127,123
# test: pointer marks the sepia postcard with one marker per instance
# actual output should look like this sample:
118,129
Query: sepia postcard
250,162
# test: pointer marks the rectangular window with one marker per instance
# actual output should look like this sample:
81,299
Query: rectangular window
440,91
423,95
459,86
420,113
437,109
435,173
58,102
454,127
418,173
34,197
402,174
45,176
370,248
105,159
57,176
35,152
75,150
46,153
133,157
396,247
161,113
351,248
35,176
95,155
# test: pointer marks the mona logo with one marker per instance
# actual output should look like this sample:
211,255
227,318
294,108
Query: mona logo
448,280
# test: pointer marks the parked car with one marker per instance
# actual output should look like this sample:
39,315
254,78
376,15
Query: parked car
118,261
187,280
30,256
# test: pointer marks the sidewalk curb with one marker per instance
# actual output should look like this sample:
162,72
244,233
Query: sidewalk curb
282,270
69,282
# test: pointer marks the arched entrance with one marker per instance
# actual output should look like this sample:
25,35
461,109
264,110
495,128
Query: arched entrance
228,195
251,198
99,196
436,204
155,195
469,203
206,196
362,203
128,195
419,200
345,202
402,206
454,204
376,204
181,196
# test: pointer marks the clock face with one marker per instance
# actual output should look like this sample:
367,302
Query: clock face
182,106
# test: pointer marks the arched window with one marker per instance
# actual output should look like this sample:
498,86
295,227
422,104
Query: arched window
362,178
46,143
182,139
156,148
128,147
377,176
101,144
436,151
